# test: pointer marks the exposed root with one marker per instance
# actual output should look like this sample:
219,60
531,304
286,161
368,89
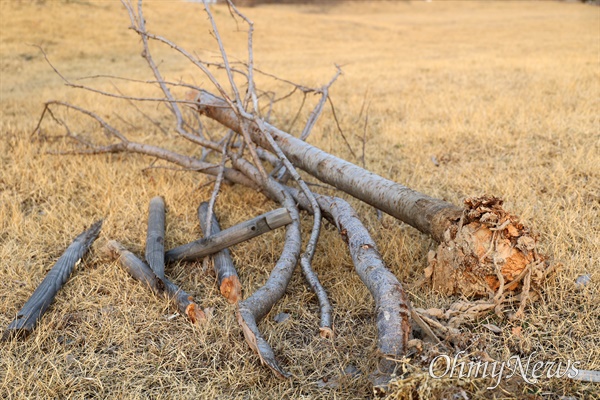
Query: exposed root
486,253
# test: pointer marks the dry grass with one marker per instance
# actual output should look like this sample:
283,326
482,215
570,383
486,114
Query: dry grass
504,95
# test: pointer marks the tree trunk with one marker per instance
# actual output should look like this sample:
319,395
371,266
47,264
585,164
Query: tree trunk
429,215
481,247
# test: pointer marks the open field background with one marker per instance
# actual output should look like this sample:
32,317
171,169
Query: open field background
504,95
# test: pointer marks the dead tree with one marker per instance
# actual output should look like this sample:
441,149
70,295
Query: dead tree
482,249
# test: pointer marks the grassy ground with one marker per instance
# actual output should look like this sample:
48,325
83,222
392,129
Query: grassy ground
505,96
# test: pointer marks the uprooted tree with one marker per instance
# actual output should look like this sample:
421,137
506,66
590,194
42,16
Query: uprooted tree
483,252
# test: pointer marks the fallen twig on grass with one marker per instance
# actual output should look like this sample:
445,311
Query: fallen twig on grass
42,297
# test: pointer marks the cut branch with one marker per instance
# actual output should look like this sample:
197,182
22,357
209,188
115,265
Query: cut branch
44,294
230,236
143,273
227,277
155,237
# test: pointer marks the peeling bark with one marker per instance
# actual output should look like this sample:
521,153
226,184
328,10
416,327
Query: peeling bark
44,294
161,286
227,277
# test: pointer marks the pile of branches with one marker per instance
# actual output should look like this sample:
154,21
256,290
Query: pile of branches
484,253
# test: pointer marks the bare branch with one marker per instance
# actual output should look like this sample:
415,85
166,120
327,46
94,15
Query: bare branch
155,151
238,107
316,112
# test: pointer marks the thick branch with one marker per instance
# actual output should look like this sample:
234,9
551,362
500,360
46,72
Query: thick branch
391,302
231,236
254,308
155,237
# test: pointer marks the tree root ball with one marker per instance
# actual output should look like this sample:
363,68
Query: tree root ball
487,250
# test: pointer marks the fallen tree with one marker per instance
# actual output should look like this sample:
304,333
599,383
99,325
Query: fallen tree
483,251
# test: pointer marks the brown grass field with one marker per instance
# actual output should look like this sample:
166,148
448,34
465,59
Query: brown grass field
502,94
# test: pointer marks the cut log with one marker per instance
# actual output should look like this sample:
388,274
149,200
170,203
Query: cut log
155,237
161,286
44,294
227,277
230,236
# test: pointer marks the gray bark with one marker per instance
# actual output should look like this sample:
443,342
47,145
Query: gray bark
254,308
429,215
44,294
162,286
155,237
392,306
231,236
227,277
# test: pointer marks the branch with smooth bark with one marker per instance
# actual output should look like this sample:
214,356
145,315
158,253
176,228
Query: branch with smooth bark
231,236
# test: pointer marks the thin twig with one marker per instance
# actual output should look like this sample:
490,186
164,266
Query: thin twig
316,112
215,193
339,128
238,106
